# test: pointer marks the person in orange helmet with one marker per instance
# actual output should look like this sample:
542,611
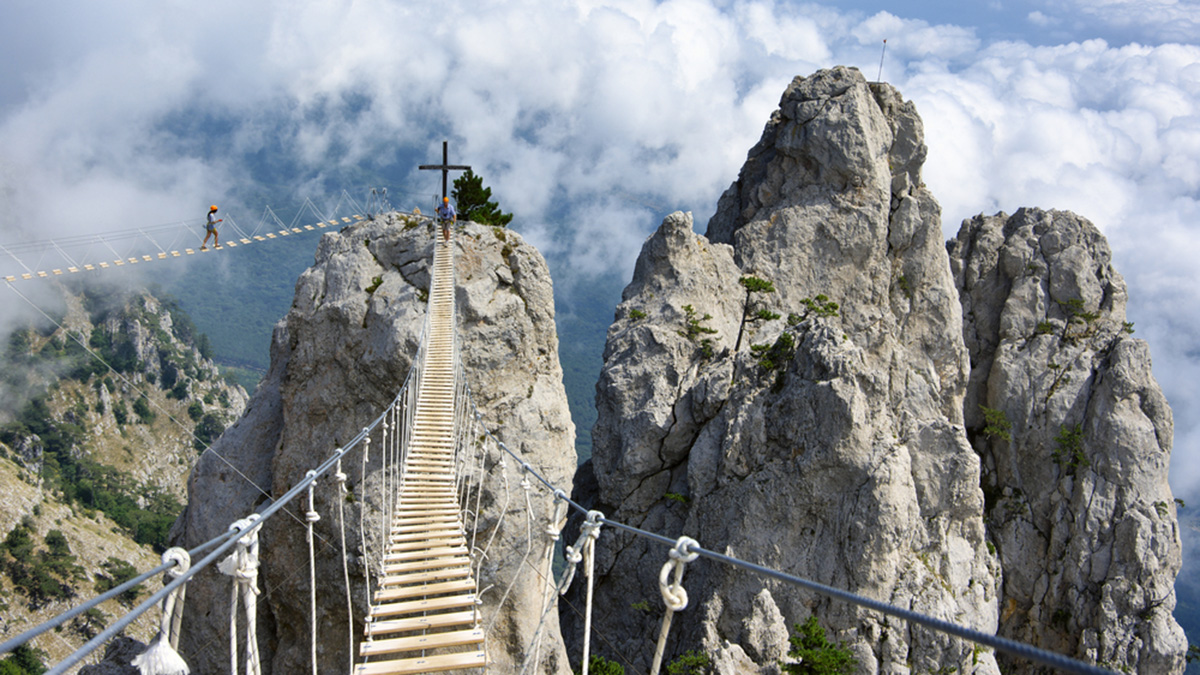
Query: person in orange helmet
212,229
448,216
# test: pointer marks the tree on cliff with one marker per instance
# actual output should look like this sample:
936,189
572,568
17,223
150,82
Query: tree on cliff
472,200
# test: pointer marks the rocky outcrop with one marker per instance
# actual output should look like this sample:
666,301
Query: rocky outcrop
975,436
819,429
337,360
1075,436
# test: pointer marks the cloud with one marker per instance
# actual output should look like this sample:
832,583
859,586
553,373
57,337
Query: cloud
1154,21
590,118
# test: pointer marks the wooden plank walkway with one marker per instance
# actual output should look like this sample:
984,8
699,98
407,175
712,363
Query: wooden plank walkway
424,616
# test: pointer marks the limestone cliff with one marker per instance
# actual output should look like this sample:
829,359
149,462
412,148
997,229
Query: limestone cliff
337,359
829,425
1075,436
827,442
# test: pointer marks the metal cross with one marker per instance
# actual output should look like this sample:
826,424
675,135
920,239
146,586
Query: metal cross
445,167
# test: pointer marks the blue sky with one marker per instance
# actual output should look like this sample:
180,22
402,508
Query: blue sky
590,118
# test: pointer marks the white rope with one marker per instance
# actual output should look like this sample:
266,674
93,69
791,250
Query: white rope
161,657
384,495
242,565
558,518
362,530
589,533
341,500
312,517
673,593
527,487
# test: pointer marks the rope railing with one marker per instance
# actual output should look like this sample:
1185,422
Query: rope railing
692,549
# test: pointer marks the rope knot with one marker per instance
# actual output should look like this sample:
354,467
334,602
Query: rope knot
681,552
673,593
591,527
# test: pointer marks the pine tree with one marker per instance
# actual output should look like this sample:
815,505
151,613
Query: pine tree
472,200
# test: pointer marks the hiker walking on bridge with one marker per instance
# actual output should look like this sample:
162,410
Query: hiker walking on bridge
212,229
448,216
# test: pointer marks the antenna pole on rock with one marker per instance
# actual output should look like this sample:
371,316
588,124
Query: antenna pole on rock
878,78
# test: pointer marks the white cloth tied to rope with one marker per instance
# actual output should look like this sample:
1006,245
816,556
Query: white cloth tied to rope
160,657
242,565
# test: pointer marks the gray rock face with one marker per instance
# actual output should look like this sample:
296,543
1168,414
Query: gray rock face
825,440
1078,504
337,360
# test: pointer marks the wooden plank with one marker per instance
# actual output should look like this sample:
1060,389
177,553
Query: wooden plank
425,664
418,565
455,638
424,605
425,577
469,618
437,552
449,539
422,535
417,591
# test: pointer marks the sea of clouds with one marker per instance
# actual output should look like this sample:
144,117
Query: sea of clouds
592,118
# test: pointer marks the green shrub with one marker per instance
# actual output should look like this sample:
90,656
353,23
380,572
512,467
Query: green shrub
598,665
691,662
117,572
207,431
24,660
636,314
996,423
1068,450
142,408
818,656
195,411
693,327
821,306
775,355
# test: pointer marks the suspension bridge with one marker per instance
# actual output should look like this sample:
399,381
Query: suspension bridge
424,607
97,252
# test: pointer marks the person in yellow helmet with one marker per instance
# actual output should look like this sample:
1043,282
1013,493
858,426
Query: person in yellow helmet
448,216
212,229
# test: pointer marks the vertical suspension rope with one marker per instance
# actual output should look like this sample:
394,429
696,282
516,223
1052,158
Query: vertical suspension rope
590,533
311,517
341,500
362,530
242,565
558,518
384,495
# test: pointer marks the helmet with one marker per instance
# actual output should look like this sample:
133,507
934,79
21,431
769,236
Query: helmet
213,207
445,200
